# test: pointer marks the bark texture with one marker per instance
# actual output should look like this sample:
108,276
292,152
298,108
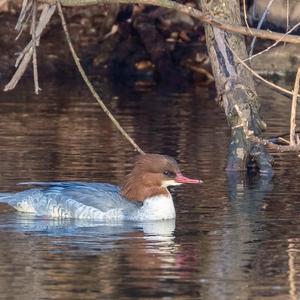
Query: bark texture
235,87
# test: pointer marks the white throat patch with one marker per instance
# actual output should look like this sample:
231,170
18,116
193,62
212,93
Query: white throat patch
157,208
170,182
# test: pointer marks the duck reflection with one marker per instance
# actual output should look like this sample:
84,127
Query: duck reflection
76,249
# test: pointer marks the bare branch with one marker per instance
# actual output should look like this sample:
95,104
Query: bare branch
196,13
25,56
26,6
269,83
274,44
20,71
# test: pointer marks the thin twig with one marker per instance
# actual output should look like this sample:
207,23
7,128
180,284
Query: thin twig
25,57
26,6
89,84
283,140
269,83
293,110
287,15
24,22
273,45
292,272
34,56
20,71
246,17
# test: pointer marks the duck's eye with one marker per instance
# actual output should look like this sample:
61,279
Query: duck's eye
169,173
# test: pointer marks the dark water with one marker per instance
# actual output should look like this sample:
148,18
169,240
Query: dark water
235,237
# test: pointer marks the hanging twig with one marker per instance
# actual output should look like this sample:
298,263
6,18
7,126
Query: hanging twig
287,15
23,24
26,6
34,57
26,55
293,110
89,84
246,17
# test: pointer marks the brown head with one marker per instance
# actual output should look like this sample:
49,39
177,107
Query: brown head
151,175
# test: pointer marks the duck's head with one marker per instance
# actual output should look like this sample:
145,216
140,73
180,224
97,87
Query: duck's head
151,175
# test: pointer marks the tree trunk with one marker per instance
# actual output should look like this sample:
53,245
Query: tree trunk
235,87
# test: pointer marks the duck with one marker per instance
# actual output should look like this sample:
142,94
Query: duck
142,196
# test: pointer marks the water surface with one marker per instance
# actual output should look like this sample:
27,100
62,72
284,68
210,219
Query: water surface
235,237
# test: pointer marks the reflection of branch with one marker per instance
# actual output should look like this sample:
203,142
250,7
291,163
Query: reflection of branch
292,271
89,84
264,34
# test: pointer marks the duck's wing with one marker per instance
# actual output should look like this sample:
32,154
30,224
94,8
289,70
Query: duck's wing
102,196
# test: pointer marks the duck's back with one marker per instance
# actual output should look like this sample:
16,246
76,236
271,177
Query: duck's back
72,200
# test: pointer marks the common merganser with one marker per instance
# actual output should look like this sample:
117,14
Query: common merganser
142,196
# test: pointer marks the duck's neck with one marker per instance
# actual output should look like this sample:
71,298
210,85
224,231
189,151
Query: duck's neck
141,188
